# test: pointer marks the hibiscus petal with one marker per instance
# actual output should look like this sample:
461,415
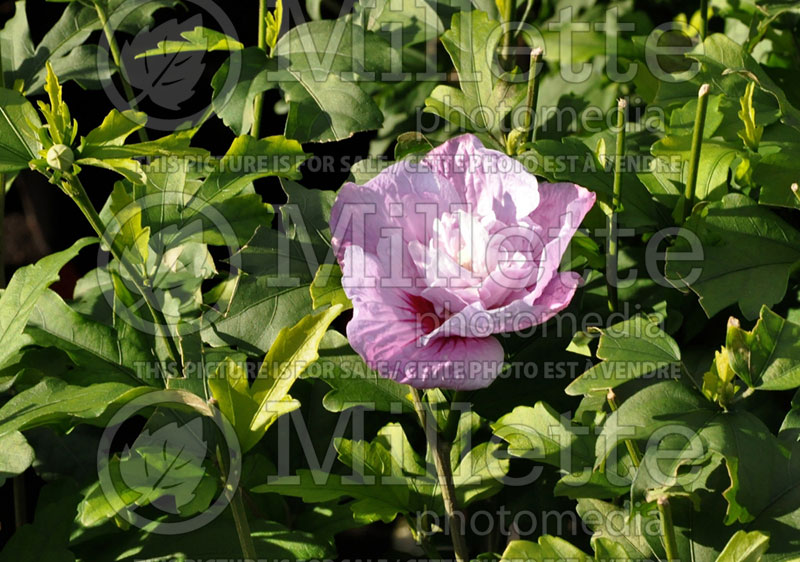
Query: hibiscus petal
388,325
488,179
475,321
403,196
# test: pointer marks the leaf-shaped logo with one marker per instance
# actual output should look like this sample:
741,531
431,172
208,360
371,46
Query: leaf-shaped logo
166,466
168,80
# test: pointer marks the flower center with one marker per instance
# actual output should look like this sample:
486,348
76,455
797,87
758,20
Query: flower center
463,237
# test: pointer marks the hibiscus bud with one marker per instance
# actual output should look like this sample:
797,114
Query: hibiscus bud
516,141
60,157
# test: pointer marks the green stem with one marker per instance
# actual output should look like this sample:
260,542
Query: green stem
77,193
441,460
703,19
525,14
794,189
533,94
242,526
508,15
258,104
20,503
667,528
697,145
115,56
612,248
633,449
237,503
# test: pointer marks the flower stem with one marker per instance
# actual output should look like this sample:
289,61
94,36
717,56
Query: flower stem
258,103
703,19
507,16
697,145
242,526
237,503
667,528
612,249
633,448
533,94
20,501
74,188
441,460
115,56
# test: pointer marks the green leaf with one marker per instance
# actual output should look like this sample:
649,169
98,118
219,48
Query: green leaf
19,122
62,46
231,389
273,27
24,289
716,158
571,160
376,464
54,400
614,527
88,343
307,213
166,461
198,39
776,173
248,159
728,67
126,226
124,158
352,382
539,433
467,43
417,21
480,473
327,109
410,144
15,42
546,549
326,289
212,541
372,502
115,128
744,246
768,356
309,64
293,350
253,409
711,433
234,104
751,134
274,293
745,547
17,455
629,350
487,93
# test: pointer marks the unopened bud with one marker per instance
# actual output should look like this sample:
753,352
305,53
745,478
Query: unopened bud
60,157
